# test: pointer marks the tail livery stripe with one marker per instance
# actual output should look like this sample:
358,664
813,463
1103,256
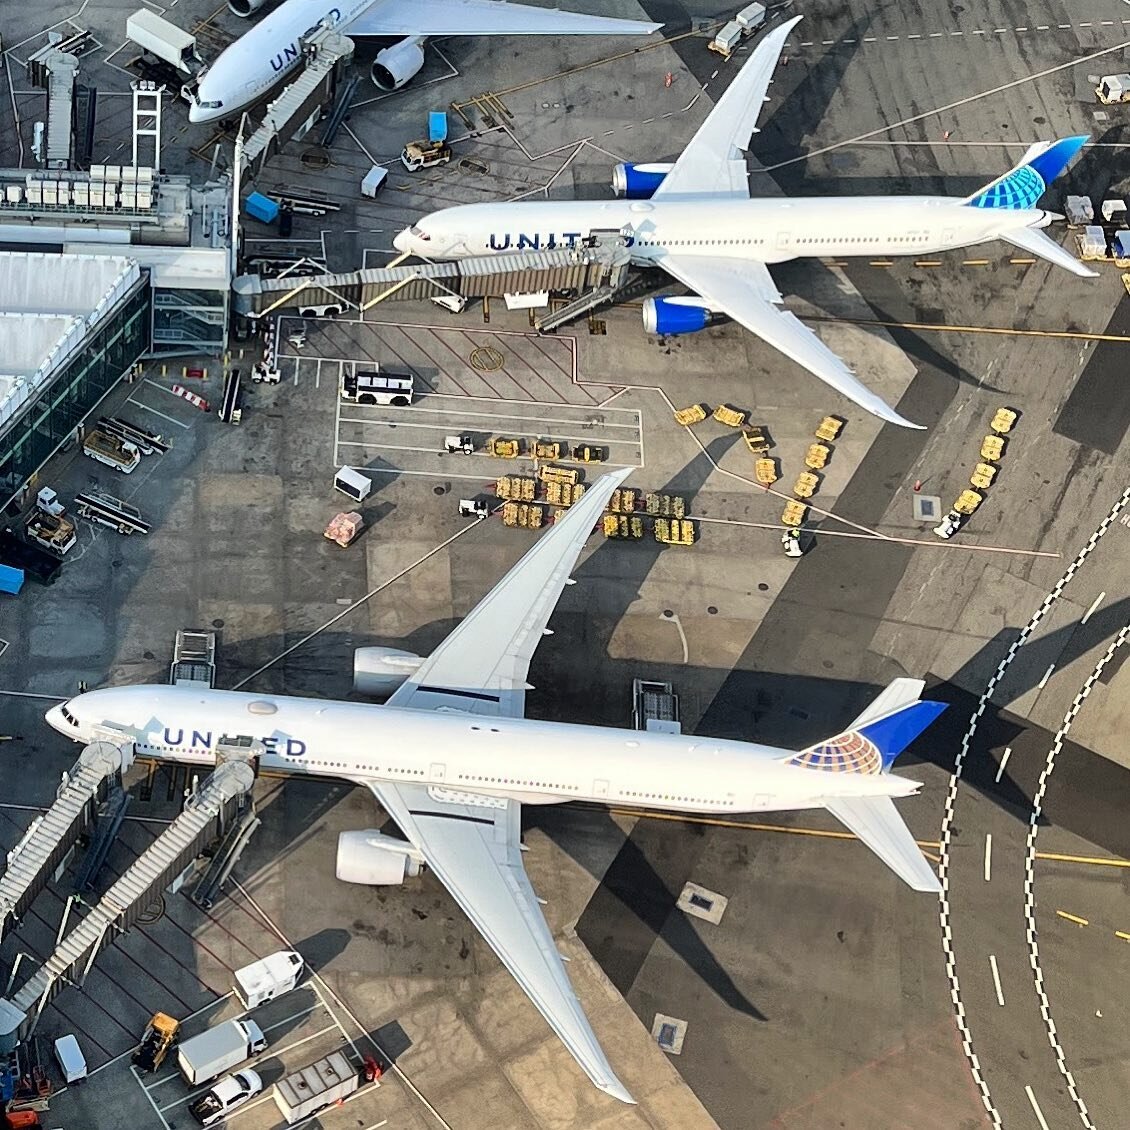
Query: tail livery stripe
1024,185
872,748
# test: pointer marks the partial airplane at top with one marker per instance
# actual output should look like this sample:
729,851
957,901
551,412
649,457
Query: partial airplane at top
452,758
270,51
695,219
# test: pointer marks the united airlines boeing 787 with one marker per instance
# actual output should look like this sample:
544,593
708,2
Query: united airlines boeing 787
452,758
695,219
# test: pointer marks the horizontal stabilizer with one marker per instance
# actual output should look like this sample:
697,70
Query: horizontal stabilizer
1035,241
876,821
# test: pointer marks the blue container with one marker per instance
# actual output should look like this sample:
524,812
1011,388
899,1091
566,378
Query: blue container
11,579
260,207
1122,244
437,125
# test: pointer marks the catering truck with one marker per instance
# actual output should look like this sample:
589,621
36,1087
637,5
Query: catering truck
330,1080
163,40
210,1054
271,977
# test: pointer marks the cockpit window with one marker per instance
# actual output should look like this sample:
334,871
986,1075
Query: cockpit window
418,233
68,716
211,105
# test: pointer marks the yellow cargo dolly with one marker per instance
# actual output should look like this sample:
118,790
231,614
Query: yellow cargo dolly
992,448
1002,422
830,427
766,471
817,456
624,500
611,525
517,487
559,474
547,449
502,447
968,501
587,453
806,484
756,439
695,414
731,417
983,475
794,513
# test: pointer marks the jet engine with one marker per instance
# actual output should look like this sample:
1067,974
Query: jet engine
395,65
670,316
245,8
378,671
375,860
639,182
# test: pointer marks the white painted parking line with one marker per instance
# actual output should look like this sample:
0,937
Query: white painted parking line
988,856
149,408
495,416
1004,761
1036,1108
156,1108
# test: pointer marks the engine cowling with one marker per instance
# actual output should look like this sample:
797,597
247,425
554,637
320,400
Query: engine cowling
395,65
245,8
378,671
639,182
670,316
372,859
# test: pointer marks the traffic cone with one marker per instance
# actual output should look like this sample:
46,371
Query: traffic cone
668,79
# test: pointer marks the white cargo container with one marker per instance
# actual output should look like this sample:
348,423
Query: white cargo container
728,39
374,181
264,980
301,1093
210,1054
1113,88
162,39
751,17
72,1063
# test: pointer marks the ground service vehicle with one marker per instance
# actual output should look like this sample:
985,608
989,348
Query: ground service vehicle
330,1080
215,1105
105,509
264,980
425,155
377,386
203,1057
160,1035
163,40
35,562
55,532
104,447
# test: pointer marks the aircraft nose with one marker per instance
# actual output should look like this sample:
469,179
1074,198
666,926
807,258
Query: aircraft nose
402,241
194,114
54,719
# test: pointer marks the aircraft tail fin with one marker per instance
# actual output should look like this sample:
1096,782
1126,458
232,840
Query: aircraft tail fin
885,728
876,821
1024,184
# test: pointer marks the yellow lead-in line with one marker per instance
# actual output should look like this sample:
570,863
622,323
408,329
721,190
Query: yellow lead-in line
1003,331
1073,918
1097,861
1122,934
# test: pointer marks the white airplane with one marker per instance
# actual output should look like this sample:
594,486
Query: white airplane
270,51
695,219
451,758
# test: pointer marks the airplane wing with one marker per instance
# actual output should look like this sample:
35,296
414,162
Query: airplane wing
485,17
471,841
714,163
474,849
482,666
745,291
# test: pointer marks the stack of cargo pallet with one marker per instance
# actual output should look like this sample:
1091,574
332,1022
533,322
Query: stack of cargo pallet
622,526
624,501
525,515
674,532
563,494
516,487
666,504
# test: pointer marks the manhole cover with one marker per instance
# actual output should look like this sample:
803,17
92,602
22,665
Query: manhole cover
316,159
152,913
473,166
486,359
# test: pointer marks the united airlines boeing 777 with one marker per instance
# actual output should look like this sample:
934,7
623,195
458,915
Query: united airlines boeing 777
258,61
452,758
695,219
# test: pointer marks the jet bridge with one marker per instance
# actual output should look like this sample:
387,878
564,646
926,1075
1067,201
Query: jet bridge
121,906
580,269
51,837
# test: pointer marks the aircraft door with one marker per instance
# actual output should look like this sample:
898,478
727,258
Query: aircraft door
949,238
784,241
600,788
437,771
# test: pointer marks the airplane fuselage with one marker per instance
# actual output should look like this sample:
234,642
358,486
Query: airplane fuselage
265,55
768,230
533,761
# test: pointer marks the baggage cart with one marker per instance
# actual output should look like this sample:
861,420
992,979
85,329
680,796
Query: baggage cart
829,429
692,415
731,417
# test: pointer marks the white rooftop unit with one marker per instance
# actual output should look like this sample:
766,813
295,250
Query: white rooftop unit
1113,209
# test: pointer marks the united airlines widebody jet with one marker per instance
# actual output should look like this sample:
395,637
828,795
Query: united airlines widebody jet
695,219
452,758
271,51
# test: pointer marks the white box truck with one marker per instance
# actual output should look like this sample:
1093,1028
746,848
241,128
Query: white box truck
264,980
303,1092
163,40
72,1063
204,1057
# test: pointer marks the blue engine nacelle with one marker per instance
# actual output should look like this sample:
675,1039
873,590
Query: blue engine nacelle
670,316
639,182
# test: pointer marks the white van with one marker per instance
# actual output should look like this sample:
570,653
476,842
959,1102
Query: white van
72,1063
264,980
377,386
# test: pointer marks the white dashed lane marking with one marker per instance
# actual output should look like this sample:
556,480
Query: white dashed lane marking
1023,30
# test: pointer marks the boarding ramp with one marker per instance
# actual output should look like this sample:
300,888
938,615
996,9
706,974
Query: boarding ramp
155,869
581,269
52,837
